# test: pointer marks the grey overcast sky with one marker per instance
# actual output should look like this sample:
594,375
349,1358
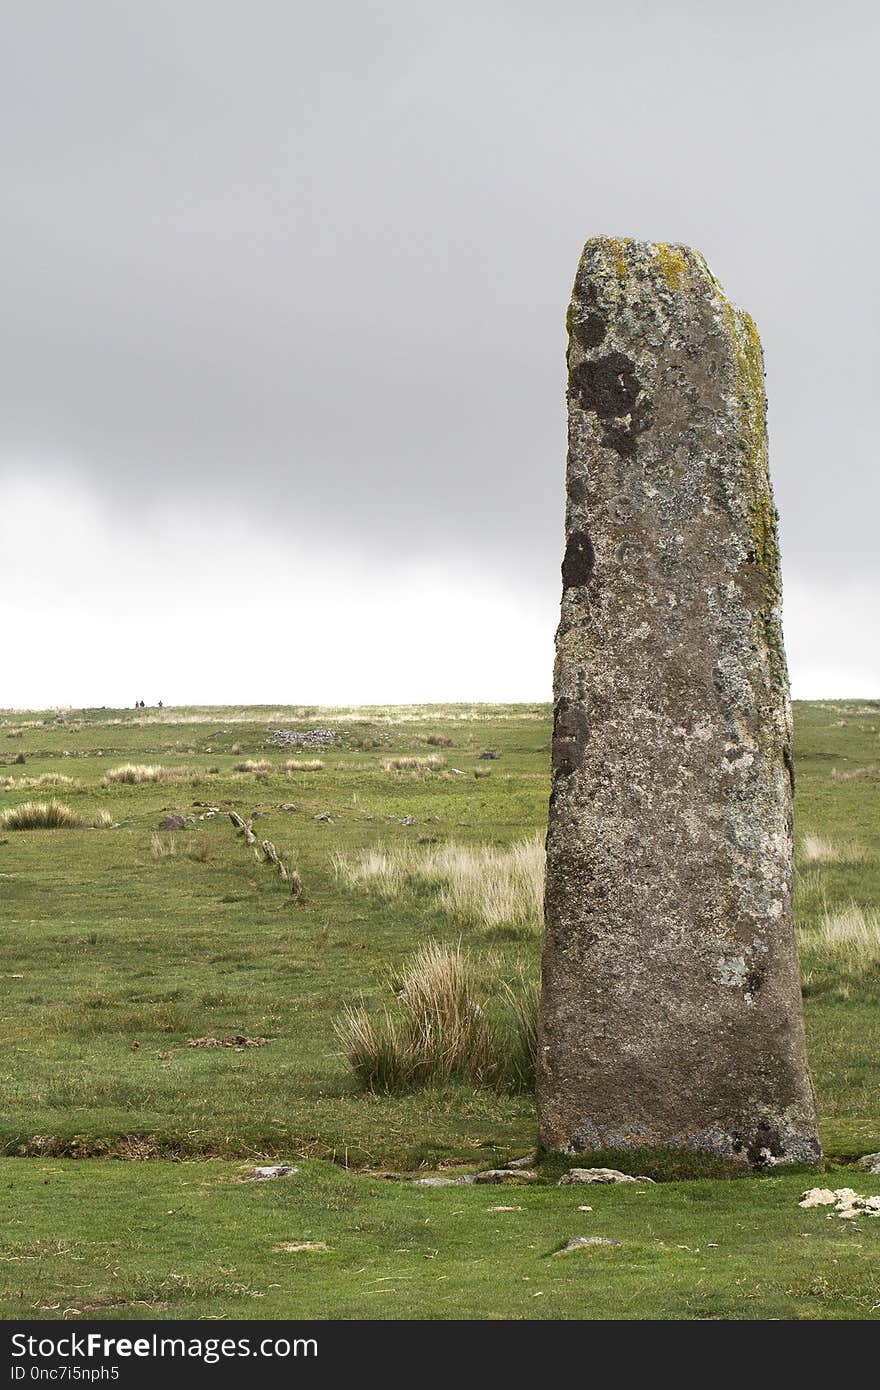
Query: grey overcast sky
282,333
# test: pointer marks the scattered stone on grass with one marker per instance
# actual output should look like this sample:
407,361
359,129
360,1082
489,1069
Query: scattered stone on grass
585,1242
291,1248
504,1208
237,1041
846,1201
273,1170
585,1208
313,738
590,1175
461,1180
506,1175
172,823
527,1161
324,816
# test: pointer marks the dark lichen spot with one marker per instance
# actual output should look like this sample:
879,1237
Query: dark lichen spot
579,561
589,331
578,489
789,765
754,980
571,734
763,1145
609,387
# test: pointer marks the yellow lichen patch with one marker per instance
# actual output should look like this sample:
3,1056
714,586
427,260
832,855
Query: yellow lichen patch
673,264
618,247
749,367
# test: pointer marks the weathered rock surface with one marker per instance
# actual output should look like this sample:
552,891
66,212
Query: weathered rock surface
870,1163
671,1010
590,1175
505,1175
585,1242
273,1170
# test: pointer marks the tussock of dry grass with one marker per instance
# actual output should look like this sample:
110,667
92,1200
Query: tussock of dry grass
103,821
131,773
442,1028
819,850
433,763
45,779
39,815
855,774
475,883
258,765
303,765
167,846
849,938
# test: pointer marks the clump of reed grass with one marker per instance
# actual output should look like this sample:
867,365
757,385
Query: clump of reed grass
303,765
432,763
474,883
438,741
39,815
443,1027
257,765
103,821
818,850
45,779
131,773
852,774
849,939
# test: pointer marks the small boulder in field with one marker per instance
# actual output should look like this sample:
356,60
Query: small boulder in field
870,1163
506,1175
273,1170
591,1175
585,1242
172,823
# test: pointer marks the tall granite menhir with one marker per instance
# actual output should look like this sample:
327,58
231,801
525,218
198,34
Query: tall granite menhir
671,1008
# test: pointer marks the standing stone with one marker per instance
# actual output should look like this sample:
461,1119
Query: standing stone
671,1007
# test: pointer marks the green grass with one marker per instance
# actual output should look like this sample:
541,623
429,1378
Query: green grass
114,957
163,1240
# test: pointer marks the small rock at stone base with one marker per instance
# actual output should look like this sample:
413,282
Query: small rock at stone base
525,1162
818,1197
505,1175
870,1163
589,1175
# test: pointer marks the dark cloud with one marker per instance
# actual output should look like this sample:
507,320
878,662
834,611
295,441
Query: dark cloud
312,261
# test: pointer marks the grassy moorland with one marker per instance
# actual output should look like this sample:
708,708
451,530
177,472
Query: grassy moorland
129,951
